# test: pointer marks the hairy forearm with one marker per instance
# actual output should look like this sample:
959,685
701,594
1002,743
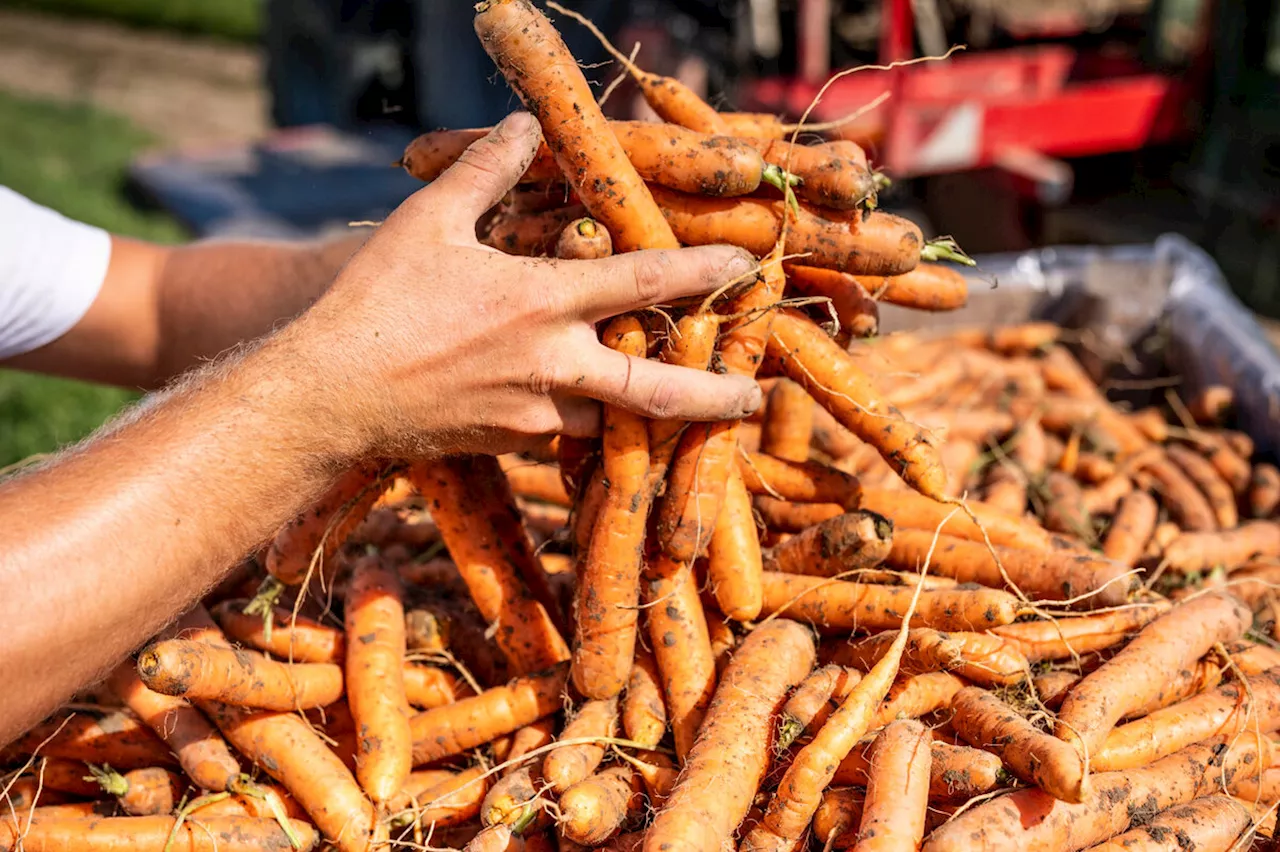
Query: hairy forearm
111,540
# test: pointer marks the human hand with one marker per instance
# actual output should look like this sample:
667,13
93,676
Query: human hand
430,343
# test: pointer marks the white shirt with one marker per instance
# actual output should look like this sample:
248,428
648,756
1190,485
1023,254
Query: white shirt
51,269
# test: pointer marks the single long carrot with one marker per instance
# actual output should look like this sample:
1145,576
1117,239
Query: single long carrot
427,686
918,512
198,671
856,312
608,579
732,749
1174,641
595,809
798,481
928,287
295,639
926,650
1264,491
838,606
1206,824
115,737
209,834
681,646
1222,500
734,560
845,543
1131,528
1200,551
1065,638
454,728
143,792
643,712
536,64
569,764
893,814
783,516
811,697
1180,496
787,430
828,176
530,235
956,772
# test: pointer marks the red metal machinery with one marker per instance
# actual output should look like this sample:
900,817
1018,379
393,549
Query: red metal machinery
1019,109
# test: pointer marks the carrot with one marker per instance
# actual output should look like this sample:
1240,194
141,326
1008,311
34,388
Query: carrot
595,809
811,697
200,750
374,615
115,737
955,772
26,794
539,68
427,687
783,516
643,713
809,357
988,660
1180,496
734,560
693,346
262,802
798,481
723,640
1093,468
916,696
1229,710
835,822
142,792
514,799
1032,755
197,671
881,244
917,512
288,750
834,606
530,235
298,640
1056,575
454,728
1174,641
732,749
1005,488
608,582
788,422
1064,507
317,534
847,542
1266,788
1180,685
495,558
534,481
1252,583
856,311
529,738
681,646
1199,551
1052,686
211,834
928,287
1031,820
452,801
428,155
1207,824
570,764
1211,405
1151,423
1264,491
828,177
1103,498
1230,466
495,838
893,813
1131,528
1211,484
1066,638
926,650
584,239
63,776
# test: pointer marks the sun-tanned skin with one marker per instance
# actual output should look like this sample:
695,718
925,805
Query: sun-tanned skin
425,343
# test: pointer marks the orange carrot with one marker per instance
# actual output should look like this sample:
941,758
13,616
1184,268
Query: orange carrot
594,809
988,660
1131,528
454,728
782,516
115,737
917,512
584,239
1207,824
1180,496
530,235
1133,676
529,738
893,813
1211,405
835,822
1230,466
427,687
723,640
693,346
608,581
1103,498
732,749
495,838
1065,638
452,801
1201,676
643,713
1064,507
956,771
681,646
1264,491
916,696
734,560
798,481
928,287
856,311
569,764
211,834
926,650
811,697
534,481
1211,484
143,792
1004,487
834,606
198,671
1199,551
829,177
845,543
296,639
788,422
262,802
539,68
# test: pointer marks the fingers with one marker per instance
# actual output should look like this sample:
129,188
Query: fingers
487,170
581,417
635,280
666,392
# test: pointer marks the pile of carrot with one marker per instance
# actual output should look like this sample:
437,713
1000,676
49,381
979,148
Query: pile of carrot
939,593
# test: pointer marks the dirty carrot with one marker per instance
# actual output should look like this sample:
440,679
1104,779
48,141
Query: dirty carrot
1065,638
1180,496
788,422
567,765
1211,484
115,737
917,695
296,639
798,481
1200,551
209,834
584,239
535,481
1207,824
427,686
926,650
893,814
811,697
197,671
1131,528
917,512
1264,491
847,542
594,809
734,560
643,711
856,311
513,799
142,792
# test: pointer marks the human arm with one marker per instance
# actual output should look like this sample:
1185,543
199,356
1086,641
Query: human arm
427,343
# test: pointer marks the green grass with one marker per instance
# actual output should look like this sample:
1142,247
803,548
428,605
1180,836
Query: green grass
235,20
71,158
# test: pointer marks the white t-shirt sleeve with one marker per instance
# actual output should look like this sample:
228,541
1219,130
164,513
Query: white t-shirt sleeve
51,269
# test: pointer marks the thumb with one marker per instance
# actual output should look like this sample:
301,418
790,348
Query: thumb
487,170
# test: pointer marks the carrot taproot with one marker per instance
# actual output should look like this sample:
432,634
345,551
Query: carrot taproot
1264,491
835,822
1207,824
1052,686
1131,528
608,579
1031,820
530,235
74,777
26,794
142,792
692,345
374,671
657,772
893,813
926,650
1151,423
567,765
452,801
1231,709
927,287
529,738
642,712
454,728
19,817
836,606
1104,498
857,312
914,696
595,809
1200,551
1066,638
1173,641
495,838
317,534
584,239
828,177
723,639
783,516
1090,581
1180,496
810,358
810,697
263,801
1265,788
732,748
987,659
534,481
1252,583
514,799
1230,466
286,748
787,430
1211,405
918,512
734,559
881,244
681,644
210,834
1092,468
427,686
845,543
955,772
1202,676
986,722
536,64
113,736
296,639
1222,500
197,671
1064,510
798,481
200,750
480,527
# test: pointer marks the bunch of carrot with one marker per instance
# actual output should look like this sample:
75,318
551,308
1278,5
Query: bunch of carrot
939,593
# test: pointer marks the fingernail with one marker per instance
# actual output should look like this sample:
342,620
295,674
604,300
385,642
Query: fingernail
752,400
516,125
740,264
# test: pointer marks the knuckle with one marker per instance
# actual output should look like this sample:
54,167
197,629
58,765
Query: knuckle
662,399
651,273
540,419
543,378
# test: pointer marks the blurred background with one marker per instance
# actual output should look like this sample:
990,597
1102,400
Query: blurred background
1062,121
